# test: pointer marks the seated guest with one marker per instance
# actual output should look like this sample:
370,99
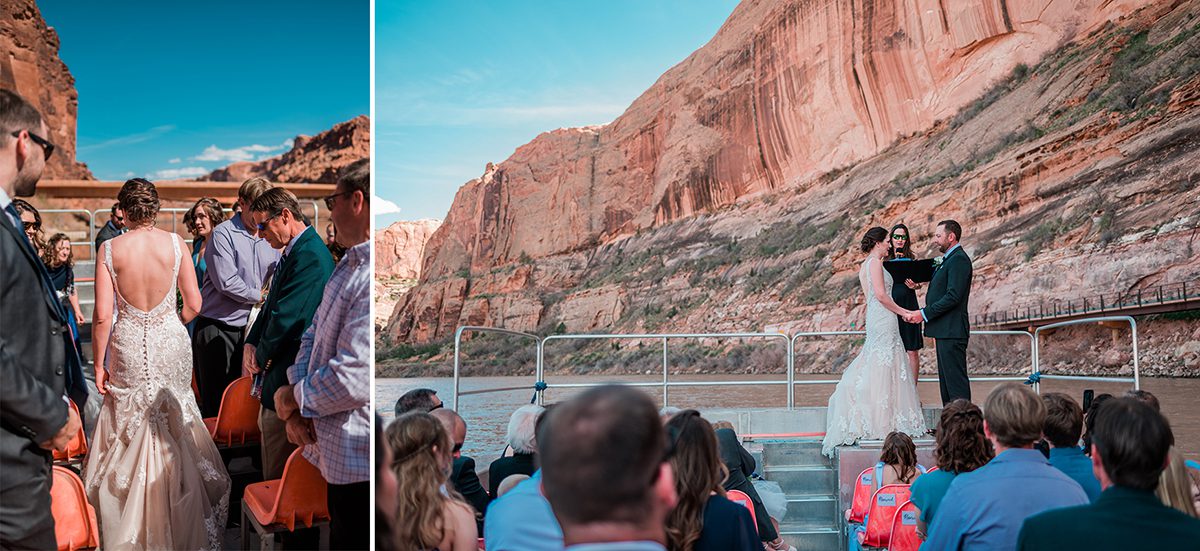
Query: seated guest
1176,488
1130,444
386,492
521,519
510,482
984,509
740,465
1089,420
423,400
898,460
1063,428
1144,396
463,477
605,470
523,441
897,465
426,517
703,519
961,448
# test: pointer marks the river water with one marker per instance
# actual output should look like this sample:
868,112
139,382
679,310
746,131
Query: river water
487,414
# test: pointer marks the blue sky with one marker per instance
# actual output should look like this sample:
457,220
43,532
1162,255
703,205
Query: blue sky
460,84
176,89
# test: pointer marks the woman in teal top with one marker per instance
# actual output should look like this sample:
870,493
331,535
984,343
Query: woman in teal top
200,220
961,447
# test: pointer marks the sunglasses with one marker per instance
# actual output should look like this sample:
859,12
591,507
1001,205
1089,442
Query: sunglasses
31,226
457,448
900,237
47,147
263,225
329,200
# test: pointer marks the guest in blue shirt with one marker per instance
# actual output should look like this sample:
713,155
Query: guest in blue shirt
984,509
522,520
961,448
1064,426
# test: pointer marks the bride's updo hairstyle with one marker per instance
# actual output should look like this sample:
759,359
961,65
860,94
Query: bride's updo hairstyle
139,199
873,237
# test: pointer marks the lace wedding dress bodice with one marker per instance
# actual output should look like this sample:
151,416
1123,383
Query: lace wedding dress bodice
153,474
876,394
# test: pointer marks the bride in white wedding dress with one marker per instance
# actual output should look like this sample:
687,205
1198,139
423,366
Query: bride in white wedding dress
153,473
877,393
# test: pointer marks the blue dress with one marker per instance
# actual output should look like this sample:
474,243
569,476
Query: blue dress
201,267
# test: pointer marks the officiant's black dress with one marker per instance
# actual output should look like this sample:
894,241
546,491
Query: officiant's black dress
910,333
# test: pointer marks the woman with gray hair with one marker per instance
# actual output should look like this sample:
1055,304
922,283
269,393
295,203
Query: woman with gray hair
522,438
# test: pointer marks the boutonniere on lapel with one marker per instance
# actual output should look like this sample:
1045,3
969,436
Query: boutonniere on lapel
937,262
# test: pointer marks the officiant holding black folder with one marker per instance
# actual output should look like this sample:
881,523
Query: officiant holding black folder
907,274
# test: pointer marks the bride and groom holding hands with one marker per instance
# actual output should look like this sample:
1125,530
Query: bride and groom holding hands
878,390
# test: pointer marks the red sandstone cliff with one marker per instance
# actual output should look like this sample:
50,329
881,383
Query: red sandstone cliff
29,65
400,247
727,196
312,159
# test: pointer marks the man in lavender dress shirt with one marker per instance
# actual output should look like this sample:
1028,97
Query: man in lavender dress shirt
327,406
238,262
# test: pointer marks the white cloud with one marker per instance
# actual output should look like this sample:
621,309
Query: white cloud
244,153
180,173
175,161
381,206
129,139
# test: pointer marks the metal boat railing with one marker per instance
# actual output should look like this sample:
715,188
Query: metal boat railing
540,385
1040,331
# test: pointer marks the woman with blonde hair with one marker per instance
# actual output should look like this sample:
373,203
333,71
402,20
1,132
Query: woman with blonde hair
60,263
429,515
1176,488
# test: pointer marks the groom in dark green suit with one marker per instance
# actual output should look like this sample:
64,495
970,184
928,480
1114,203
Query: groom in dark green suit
295,293
945,312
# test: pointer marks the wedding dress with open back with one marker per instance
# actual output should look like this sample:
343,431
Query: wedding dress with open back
876,394
153,473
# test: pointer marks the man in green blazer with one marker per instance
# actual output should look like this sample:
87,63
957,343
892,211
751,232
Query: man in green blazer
945,312
1129,451
295,293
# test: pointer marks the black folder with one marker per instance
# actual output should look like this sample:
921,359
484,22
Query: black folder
920,271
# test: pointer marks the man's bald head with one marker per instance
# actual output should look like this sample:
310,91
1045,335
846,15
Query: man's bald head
454,425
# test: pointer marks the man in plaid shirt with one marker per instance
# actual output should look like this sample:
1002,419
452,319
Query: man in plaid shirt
327,405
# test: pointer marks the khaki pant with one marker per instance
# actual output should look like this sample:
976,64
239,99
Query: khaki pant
275,445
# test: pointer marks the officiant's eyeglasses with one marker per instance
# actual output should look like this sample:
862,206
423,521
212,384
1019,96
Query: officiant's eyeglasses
47,147
898,236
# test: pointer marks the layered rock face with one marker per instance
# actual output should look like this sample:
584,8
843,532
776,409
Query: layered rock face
313,159
29,65
731,195
400,247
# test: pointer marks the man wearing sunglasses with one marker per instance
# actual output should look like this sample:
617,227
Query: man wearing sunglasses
114,227
38,361
274,340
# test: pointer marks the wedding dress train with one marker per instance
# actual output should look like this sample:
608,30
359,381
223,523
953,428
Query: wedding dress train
153,473
876,394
